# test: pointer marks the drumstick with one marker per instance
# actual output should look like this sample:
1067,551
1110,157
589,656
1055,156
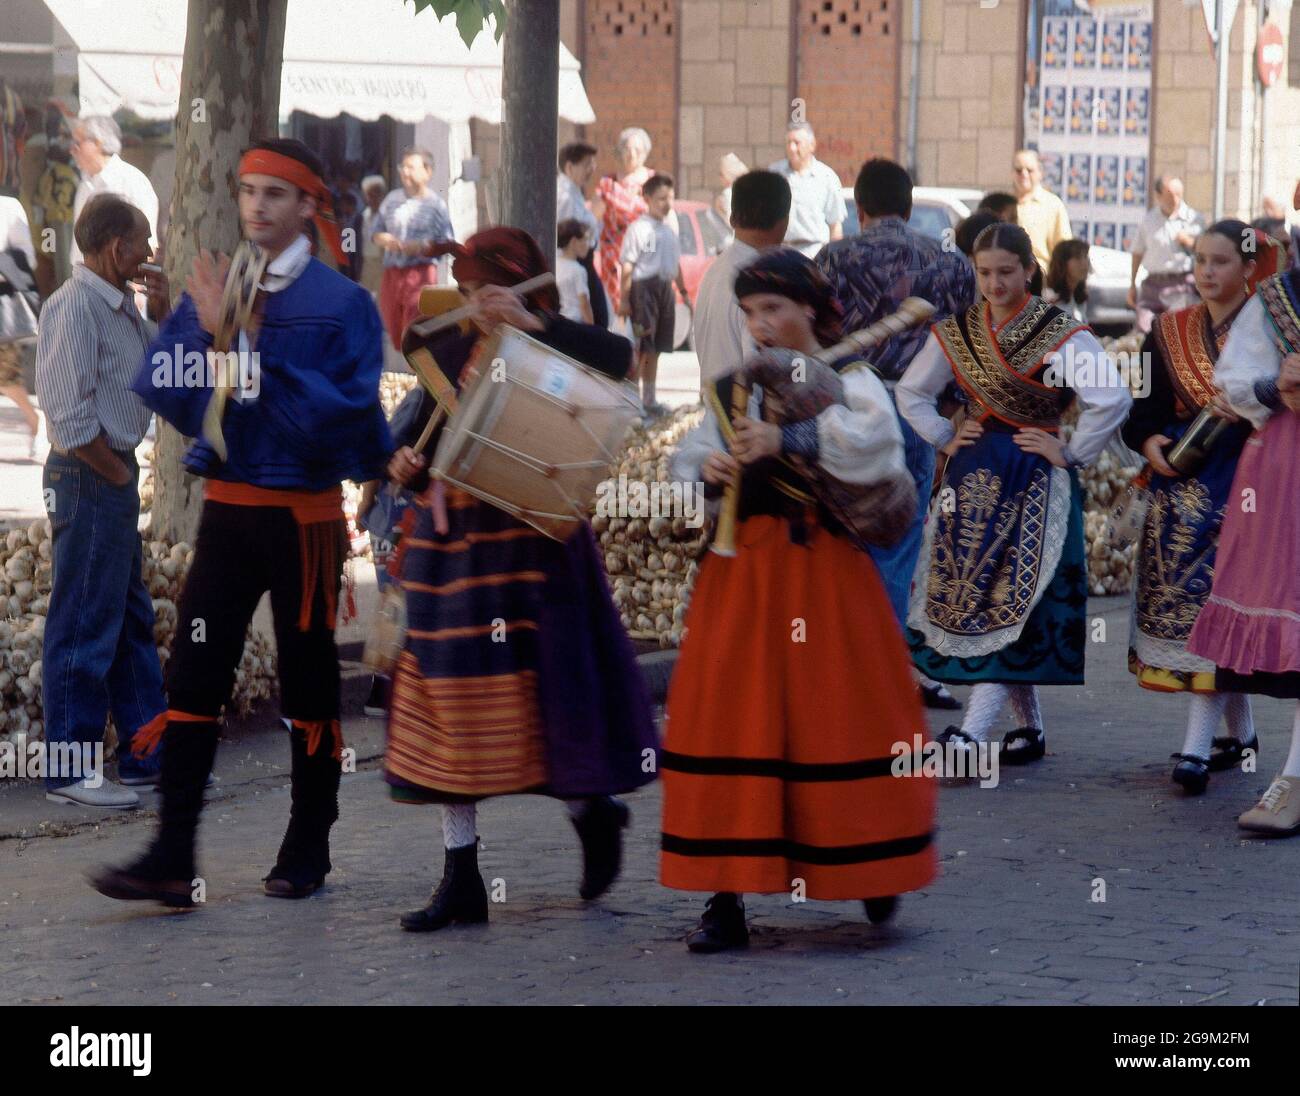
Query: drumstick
438,414
725,541
425,328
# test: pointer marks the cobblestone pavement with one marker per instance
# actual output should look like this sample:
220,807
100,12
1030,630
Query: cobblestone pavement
1193,912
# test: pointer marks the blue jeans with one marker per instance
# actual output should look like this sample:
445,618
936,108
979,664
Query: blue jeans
897,564
99,654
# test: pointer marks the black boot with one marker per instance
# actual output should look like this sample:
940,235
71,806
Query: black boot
722,926
304,858
460,898
880,910
600,826
166,871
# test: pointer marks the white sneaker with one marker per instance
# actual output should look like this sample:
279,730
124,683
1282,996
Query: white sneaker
104,794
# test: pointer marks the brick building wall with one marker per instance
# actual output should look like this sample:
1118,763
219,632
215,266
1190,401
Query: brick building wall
630,73
847,74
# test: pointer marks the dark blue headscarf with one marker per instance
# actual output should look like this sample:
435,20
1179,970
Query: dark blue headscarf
790,273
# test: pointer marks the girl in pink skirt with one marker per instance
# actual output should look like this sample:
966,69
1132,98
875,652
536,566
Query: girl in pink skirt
1250,627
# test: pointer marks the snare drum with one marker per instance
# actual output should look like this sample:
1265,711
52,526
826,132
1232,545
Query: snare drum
535,432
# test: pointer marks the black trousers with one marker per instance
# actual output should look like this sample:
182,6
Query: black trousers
596,291
241,552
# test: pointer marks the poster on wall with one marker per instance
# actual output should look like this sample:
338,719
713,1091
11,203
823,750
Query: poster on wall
1135,181
1087,110
1105,187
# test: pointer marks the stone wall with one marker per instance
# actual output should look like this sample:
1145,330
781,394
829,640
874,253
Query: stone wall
735,88
847,73
970,91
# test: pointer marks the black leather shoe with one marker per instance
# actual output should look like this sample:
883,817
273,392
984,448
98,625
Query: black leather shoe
460,898
126,885
1227,752
278,887
722,927
936,696
1192,773
1035,748
600,826
961,769
880,910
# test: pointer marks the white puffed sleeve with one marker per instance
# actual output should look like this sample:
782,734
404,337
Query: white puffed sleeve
694,449
917,393
1251,354
859,441
1104,397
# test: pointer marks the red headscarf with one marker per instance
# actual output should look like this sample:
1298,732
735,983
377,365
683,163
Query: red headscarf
262,161
504,256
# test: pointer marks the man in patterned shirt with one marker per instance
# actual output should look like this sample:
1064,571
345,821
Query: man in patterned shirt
413,226
873,273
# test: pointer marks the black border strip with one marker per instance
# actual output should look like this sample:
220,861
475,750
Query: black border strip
794,850
776,768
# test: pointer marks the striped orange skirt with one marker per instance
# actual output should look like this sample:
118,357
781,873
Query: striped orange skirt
791,691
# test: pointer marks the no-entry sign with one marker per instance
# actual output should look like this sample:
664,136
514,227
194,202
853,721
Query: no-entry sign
1270,56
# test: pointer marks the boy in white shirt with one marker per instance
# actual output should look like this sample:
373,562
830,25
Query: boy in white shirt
649,265
570,274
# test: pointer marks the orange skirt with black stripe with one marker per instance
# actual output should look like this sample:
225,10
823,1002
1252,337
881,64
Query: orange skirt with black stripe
791,691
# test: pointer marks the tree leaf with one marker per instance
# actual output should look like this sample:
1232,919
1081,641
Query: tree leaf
471,15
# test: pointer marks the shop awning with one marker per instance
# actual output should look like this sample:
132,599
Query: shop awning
339,57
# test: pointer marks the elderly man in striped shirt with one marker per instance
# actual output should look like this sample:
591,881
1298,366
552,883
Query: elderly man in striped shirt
99,655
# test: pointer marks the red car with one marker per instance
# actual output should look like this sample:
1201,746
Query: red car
701,234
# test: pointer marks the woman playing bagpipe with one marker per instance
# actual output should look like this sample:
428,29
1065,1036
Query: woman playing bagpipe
793,684
517,675
1250,625
1177,544
1001,586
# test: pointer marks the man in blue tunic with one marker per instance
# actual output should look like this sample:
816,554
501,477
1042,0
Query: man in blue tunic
305,416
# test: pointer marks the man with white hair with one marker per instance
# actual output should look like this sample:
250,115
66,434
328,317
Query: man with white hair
817,205
96,143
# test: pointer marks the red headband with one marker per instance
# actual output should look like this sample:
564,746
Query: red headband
261,161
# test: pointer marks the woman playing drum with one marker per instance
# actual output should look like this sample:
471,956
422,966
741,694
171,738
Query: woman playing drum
517,675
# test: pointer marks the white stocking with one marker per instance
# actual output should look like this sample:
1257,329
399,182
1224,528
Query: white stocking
1292,766
1024,703
1203,715
982,709
458,825
1241,723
